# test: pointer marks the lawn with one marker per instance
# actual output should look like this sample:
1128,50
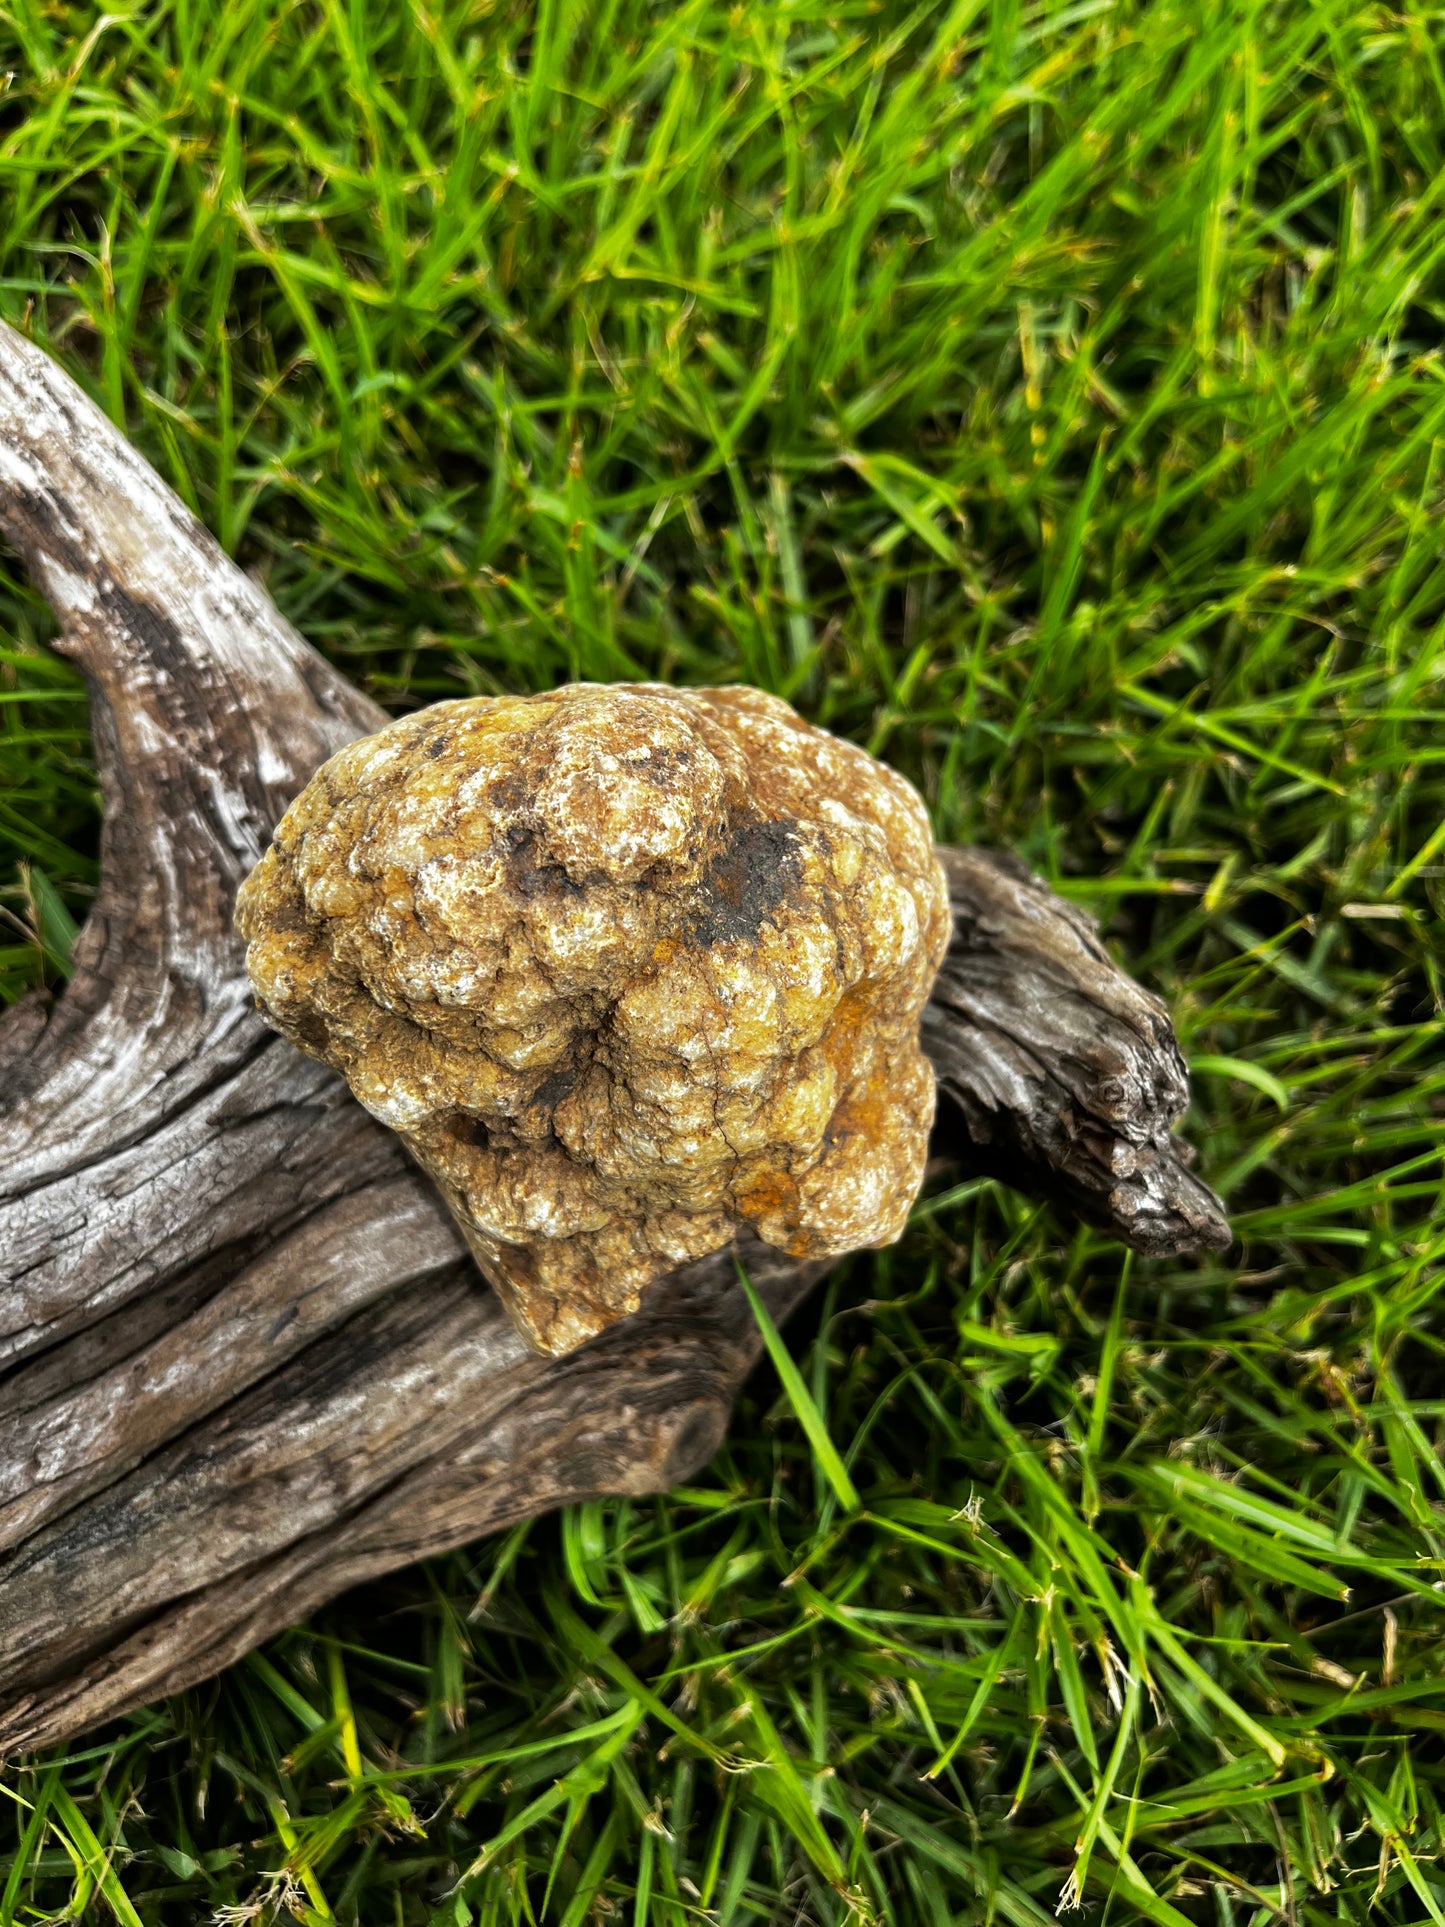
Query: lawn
1050,397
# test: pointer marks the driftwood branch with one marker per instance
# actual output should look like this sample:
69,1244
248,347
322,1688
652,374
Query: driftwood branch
244,1361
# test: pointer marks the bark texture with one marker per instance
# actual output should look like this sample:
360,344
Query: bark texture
245,1361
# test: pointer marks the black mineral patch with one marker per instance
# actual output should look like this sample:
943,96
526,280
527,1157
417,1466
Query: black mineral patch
747,880
529,877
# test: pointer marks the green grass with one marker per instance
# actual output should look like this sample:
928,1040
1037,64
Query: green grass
1052,398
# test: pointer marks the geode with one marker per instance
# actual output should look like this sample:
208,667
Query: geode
628,968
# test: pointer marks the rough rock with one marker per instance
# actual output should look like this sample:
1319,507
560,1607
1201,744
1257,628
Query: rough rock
627,967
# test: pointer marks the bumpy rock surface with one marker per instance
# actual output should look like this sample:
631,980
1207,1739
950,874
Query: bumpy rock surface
627,967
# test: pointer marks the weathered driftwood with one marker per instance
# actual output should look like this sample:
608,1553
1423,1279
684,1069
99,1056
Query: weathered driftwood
244,1362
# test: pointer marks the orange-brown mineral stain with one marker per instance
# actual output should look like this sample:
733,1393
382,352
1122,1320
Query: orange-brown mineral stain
863,1113
770,1195
627,967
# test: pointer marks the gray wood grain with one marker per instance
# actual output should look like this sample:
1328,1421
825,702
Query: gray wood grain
244,1361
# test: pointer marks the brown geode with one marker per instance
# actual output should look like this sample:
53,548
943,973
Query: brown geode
627,968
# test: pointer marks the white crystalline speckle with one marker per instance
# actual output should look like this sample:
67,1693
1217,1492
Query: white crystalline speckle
630,968
397,1107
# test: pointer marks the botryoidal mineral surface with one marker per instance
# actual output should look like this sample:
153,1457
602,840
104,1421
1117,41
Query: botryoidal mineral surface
627,967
